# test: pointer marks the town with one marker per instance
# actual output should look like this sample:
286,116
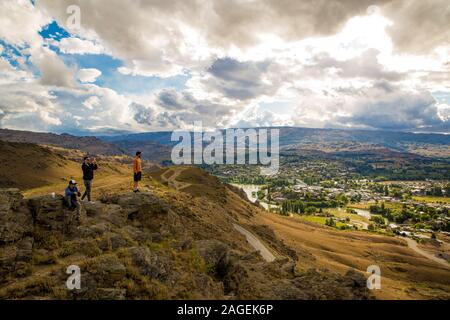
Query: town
333,193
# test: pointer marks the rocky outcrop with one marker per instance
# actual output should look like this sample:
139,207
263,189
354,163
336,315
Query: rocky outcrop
15,218
151,264
51,218
140,246
16,234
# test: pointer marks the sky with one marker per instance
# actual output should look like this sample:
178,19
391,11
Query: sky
160,65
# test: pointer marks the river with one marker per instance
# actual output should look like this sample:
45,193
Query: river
251,190
363,213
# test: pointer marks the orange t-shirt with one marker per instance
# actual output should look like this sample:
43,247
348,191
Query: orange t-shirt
137,165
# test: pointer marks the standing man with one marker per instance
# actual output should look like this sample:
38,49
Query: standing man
137,169
89,166
72,195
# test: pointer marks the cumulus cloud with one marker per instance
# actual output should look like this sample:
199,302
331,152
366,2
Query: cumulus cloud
28,106
142,114
419,26
187,109
92,102
79,46
366,66
54,71
88,75
253,117
395,111
239,80
165,37
335,62
380,106
20,22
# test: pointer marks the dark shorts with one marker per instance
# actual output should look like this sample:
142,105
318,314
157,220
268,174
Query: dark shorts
137,176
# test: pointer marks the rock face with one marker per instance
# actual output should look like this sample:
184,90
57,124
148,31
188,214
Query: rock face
15,218
141,246
16,230
51,218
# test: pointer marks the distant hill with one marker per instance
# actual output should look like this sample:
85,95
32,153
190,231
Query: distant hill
91,145
29,166
159,137
151,150
295,135
327,140
26,165
389,139
156,146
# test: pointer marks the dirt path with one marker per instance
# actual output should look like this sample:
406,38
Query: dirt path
256,243
413,245
172,180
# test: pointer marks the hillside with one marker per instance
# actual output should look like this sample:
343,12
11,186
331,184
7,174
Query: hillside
26,165
171,242
151,150
89,145
186,236
406,274
38,169
332,140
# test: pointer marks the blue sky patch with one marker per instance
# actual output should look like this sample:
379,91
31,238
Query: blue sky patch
54,31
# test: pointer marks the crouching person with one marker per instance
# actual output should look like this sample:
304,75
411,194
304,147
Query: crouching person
71,196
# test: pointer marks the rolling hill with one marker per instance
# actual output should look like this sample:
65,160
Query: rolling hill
44,169
171,241
180,239
89,145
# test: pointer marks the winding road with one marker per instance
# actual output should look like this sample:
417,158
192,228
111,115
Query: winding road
413,245
251,239
256,243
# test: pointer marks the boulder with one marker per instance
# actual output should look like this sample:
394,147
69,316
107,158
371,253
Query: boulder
216,255
16,230
105,271
51,217
94,209
16,220
150,263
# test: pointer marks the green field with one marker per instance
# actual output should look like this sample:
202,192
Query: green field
318,220
344,214
431,199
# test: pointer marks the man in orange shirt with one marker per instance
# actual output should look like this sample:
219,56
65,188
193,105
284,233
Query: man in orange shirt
137,169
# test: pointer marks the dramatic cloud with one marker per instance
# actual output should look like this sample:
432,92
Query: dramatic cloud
364,66
53,70
239,80
188,109
394,111
419,25
20,22
161,64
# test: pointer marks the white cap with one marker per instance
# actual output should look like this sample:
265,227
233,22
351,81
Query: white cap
72,182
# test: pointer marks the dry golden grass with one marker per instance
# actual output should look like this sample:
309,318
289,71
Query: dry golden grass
405,274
